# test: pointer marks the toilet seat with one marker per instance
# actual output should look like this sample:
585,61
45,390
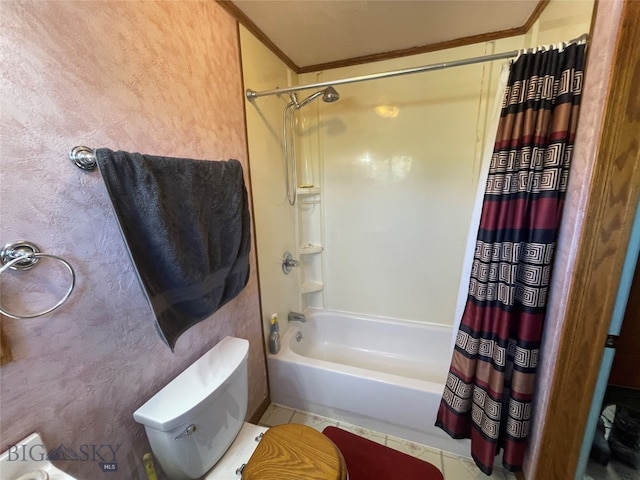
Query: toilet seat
295,452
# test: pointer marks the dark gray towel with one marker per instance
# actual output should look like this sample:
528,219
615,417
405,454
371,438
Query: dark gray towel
186,223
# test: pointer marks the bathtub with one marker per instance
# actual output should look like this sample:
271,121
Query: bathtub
383,374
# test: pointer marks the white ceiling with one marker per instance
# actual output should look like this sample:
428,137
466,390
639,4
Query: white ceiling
313,32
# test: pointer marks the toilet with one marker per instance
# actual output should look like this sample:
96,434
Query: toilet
196,429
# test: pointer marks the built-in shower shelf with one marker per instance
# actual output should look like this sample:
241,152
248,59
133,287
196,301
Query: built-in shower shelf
310,201
309,249
302,191
310,287
309,223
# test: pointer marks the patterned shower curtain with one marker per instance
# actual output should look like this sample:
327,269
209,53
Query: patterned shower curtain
490,386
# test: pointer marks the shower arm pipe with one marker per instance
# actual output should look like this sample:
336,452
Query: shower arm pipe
252,94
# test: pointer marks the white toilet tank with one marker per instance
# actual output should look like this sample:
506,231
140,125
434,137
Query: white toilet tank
192,421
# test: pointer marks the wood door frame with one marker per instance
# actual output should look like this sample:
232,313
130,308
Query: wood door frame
608,218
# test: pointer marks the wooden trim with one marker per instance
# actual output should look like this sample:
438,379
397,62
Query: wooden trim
253,28
234,11
535,15
610,210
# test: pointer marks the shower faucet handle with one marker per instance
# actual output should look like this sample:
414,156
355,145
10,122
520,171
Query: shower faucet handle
288,262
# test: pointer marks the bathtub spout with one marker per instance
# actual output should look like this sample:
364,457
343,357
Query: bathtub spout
296,317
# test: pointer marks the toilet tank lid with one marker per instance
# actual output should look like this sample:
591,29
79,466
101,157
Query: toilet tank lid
190,391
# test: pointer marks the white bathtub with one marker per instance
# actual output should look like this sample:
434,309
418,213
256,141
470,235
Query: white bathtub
379,373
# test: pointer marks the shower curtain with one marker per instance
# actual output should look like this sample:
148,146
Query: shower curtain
490,135
489,390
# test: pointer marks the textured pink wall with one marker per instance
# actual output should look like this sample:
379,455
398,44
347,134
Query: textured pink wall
156,77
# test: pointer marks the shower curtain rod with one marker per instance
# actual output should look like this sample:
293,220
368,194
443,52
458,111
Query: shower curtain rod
251,94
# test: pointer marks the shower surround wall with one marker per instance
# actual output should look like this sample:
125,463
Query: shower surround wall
274,217
400,159
154,77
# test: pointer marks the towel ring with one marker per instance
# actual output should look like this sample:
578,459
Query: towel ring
22,255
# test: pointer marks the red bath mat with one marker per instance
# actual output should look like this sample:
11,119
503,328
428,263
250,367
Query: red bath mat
367,460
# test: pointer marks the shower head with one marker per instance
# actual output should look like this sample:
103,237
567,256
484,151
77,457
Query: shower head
329,95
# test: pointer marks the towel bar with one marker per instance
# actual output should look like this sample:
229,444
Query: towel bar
83,157
22,255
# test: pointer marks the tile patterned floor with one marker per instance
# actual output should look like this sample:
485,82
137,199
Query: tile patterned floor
453,467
